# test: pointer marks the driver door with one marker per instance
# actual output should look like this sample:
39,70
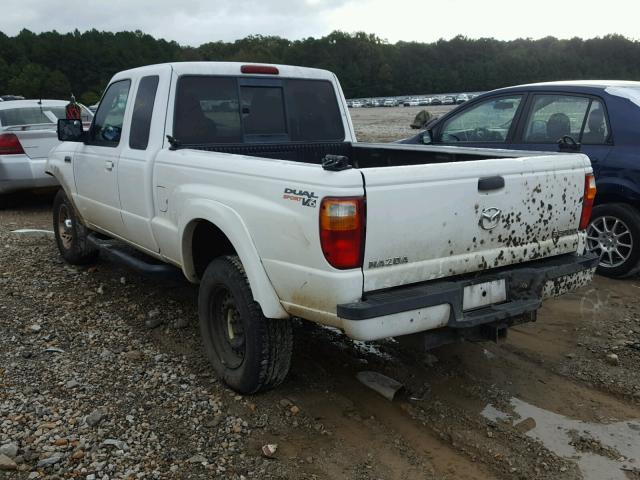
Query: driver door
95,163
487,124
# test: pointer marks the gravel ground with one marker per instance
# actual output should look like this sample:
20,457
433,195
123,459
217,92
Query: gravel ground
102,377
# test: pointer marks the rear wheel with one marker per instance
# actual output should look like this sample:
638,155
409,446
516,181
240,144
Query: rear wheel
250,352
614,234
70,233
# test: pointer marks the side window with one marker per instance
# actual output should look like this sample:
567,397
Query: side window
207,110
107,124
263,111
489,121
596,129
142,112
554,116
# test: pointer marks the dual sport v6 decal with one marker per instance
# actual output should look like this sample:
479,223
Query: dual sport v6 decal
307,199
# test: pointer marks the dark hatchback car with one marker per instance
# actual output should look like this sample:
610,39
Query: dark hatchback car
598,118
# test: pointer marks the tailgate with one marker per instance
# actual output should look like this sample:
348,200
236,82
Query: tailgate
438,220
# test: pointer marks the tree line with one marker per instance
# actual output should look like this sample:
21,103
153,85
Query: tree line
54,65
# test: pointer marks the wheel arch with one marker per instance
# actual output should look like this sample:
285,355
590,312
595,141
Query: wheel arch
207,222
617,192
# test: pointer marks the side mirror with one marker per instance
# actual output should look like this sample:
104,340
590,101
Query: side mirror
70,130
426,138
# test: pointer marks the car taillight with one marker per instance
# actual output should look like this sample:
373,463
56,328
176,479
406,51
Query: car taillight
587,200
342,222
9,144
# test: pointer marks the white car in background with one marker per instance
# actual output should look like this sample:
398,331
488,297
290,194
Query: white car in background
412,102
27,135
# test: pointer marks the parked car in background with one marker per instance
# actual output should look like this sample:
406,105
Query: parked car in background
424,102
463,97
389,102
448,100
412,102
602,118
6,98
356,104
27,134
436,101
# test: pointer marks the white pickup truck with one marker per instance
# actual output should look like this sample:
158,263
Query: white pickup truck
249,179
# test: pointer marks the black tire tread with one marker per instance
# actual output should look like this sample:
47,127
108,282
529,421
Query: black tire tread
81,252
275,337
278,344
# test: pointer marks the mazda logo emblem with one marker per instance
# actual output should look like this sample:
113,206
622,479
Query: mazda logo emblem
489,218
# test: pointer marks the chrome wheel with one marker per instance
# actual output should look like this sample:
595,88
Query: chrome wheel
65,226
611,239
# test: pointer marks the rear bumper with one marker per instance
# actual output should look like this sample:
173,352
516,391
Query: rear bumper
19,172
430,305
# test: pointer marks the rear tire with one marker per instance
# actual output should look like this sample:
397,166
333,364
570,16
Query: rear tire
614,234
71,234
250,352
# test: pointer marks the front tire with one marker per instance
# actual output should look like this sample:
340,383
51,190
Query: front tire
250,352
71,234
614,234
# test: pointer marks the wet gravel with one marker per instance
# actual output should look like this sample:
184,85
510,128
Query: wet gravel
88,393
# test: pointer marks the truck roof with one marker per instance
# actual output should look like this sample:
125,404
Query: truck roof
227,68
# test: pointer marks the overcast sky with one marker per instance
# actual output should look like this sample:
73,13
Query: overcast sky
193,22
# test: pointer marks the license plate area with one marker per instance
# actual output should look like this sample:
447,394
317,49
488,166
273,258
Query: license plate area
483,294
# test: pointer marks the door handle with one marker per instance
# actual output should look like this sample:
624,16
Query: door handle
490,183
108,165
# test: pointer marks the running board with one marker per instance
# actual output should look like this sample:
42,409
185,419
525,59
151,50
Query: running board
128,256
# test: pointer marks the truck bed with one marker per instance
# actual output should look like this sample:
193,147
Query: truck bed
361,155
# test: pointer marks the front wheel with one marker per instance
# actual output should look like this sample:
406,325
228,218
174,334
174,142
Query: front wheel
614,234
250,352
71,234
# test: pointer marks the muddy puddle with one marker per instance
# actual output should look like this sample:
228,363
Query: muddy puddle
601,451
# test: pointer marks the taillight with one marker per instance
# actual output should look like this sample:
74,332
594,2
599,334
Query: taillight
342,221
587,200
259,69
9,144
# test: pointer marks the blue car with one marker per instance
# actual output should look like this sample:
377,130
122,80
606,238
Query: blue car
598,118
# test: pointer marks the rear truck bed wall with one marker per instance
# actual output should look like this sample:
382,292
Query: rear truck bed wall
364,155
264,200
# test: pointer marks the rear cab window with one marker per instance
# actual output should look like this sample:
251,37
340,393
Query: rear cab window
218,110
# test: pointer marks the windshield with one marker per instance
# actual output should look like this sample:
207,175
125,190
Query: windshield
37,115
